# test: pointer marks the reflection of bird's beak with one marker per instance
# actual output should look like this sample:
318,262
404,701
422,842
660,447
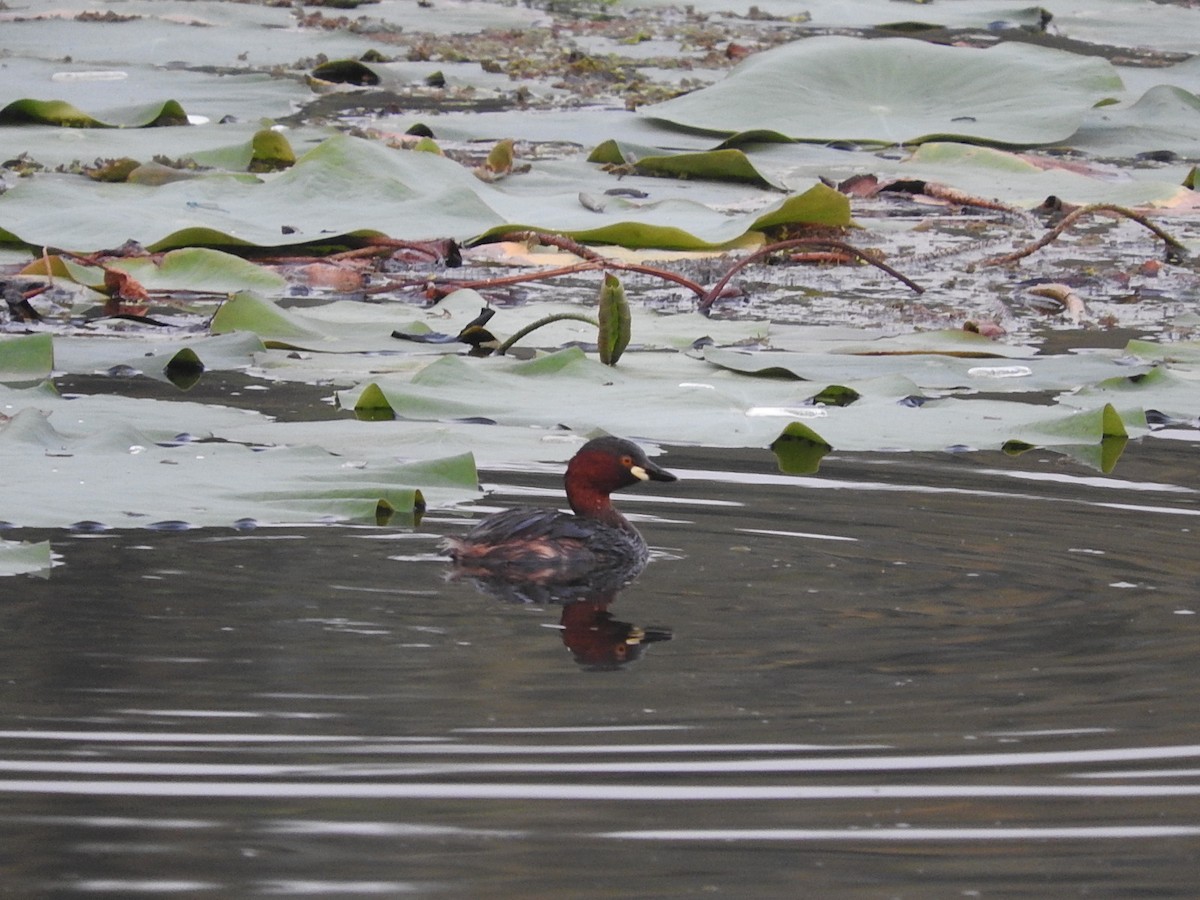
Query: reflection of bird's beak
651,472
642,636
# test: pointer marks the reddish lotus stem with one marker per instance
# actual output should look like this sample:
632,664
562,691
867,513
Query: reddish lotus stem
1074,216
716,290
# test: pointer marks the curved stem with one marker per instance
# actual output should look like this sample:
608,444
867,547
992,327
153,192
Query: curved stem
545,320
1074,216
549,239
714,292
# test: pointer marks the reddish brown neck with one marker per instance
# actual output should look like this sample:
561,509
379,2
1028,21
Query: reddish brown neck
592,504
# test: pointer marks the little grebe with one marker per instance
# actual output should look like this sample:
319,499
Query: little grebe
545,544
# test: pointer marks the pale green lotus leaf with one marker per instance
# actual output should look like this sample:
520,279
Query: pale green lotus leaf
979,171
349,187
27,111
876,423
337,327
349,327
566,389
247,311
718,165
117,474
200,269
196,269
901,91
343,186
230,36
81,416
1129,23
25,558
695,403
1175,352
993,173
672,223
932,371
26,358
150,354
1176,394
1165,118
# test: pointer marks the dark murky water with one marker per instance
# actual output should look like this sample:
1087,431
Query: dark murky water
909,676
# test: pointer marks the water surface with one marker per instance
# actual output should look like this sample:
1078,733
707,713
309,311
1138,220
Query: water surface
906,676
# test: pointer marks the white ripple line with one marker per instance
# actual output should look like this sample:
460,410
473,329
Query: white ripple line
1069,833
574,792
912,762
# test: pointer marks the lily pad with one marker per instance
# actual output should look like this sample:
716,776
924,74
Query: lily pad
1160,389
153,358
899,91
25,558
719,165
698,404
26,358
58,112
1165,118
196,269
347,187
123,476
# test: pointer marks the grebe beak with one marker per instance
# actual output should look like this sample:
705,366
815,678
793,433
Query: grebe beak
651,472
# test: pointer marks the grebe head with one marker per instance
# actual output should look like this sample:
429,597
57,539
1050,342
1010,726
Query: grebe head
604,465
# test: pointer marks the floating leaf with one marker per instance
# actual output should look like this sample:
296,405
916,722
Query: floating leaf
799,450
271,152
1160,389
372,405
247,311
500,157
1095,437
835,395
184,369
1165,118
24,558
26,358
200,269
58,112
85,471
718,165
898,91
95,354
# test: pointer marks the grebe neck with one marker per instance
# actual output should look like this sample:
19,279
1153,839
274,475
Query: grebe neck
588,503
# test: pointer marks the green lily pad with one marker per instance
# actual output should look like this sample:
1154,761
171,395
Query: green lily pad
718,165
347,187
701,404
1160,389
939,361
196,269
247,311
799,450
59,112
26,358
1164,118
120,475
25,558
901,91
153,357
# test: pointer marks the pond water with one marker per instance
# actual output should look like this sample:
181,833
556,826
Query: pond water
906,676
